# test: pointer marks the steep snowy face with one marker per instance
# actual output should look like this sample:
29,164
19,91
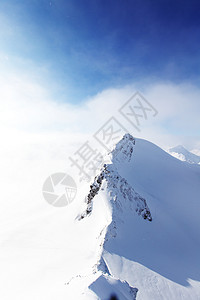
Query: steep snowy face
121,199
151,242
183,154
120,193
123,151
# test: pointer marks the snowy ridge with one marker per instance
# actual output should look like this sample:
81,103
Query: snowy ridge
147,242
183,154
118,188
122,197
123,151
107,285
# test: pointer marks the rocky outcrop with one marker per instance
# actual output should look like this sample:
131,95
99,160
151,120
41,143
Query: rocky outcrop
119,190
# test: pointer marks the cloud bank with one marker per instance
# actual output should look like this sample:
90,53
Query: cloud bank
33,120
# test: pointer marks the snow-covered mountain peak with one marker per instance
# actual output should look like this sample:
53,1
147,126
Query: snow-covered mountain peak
124,149
183,154
145,206
178,148
121,194
120,201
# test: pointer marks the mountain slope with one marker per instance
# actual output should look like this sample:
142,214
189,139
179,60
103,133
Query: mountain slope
150,240
183,154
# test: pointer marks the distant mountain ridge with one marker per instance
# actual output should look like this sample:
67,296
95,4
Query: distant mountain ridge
183,154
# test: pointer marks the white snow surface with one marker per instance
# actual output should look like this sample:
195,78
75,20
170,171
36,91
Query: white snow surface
161,258
138,236
183,154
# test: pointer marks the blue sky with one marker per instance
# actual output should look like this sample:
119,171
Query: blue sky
78,48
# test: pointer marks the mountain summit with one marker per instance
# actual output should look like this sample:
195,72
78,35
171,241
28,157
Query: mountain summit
183,154
146,205
120,191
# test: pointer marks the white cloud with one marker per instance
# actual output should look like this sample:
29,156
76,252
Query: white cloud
38,133
30,117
